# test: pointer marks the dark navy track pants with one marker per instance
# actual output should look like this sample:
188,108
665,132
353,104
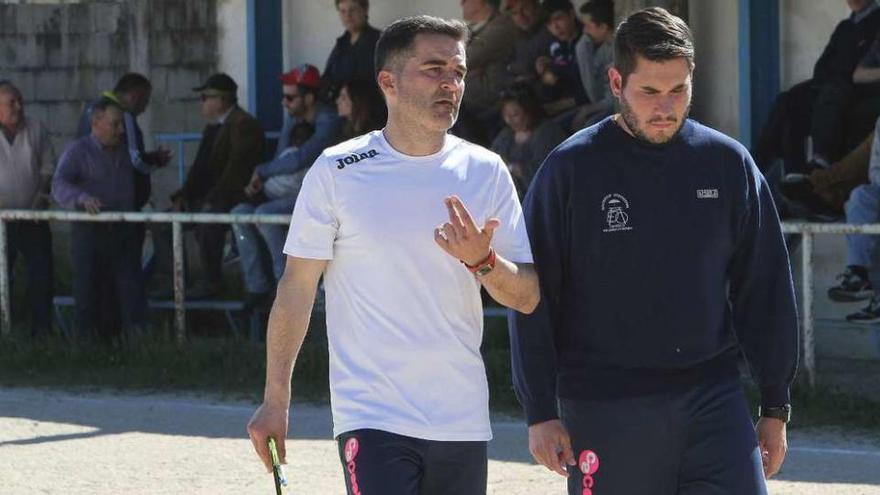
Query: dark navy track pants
381,463
698,441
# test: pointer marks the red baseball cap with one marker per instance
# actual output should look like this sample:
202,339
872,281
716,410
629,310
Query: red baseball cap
305,75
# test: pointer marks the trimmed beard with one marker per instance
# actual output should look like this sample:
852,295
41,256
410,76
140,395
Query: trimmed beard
632,122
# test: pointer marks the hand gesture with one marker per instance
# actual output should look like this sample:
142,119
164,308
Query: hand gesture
461,237
163,156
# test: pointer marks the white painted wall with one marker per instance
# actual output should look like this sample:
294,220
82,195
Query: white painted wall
232,44
803,32
312,26
716,76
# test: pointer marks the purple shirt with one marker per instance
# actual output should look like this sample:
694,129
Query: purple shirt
87,169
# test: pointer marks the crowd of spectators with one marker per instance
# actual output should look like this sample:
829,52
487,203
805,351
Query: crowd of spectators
537,72
820,144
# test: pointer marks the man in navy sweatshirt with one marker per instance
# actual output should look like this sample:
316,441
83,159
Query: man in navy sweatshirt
661,263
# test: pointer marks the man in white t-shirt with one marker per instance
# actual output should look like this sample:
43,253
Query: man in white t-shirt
406,224
27,162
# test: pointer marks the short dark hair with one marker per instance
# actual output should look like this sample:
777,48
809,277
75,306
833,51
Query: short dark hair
365,4
523,95
7,86
656,35
550,7
132,81
367,107
102,106
397,39
600,11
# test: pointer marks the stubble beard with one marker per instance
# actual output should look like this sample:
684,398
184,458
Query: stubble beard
632,122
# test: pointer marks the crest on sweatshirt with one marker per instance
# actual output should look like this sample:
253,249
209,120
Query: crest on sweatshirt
616,208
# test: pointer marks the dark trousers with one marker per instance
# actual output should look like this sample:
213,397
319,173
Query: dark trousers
788,125
375,461
825,111
33,242
696,441
108,287
212,238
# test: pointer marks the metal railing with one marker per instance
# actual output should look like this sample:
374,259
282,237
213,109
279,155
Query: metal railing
176,219
806,230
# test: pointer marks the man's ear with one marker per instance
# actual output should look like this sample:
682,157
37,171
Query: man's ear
387,82
615,80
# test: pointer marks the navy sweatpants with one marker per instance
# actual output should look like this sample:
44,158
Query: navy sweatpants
381,463
698,441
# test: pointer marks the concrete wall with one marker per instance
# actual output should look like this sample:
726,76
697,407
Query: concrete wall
803,32
63,55
232,44
716,75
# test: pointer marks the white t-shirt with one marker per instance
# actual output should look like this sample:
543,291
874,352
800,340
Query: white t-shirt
404,318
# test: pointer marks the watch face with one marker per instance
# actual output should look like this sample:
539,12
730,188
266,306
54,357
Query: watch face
484,270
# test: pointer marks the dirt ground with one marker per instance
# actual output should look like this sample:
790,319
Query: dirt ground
108,443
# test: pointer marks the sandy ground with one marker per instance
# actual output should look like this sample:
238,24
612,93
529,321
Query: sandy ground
62,443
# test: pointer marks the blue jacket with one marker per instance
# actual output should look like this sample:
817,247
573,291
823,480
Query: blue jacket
328,126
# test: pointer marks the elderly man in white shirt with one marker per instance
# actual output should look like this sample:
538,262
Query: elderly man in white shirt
26,165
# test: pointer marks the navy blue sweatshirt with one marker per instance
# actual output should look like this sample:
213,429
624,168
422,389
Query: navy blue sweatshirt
660,265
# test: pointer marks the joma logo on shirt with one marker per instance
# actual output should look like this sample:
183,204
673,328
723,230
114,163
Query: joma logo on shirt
354,158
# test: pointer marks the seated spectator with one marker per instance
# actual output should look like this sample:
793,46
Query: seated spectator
560,86
28,161
823,192
528,137
232,145
489,50
816,107
352,55
362,107
530,19
95,174
595,54
274,185
863,258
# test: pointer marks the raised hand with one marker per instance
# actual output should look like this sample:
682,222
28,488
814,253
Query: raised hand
461,237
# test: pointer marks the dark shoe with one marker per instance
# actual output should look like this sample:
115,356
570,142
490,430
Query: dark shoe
796,187
853,286
870,314
798,191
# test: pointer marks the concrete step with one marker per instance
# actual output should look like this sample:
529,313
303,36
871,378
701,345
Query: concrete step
837,338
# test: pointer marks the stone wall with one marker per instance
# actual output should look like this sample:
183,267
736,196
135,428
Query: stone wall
63,54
